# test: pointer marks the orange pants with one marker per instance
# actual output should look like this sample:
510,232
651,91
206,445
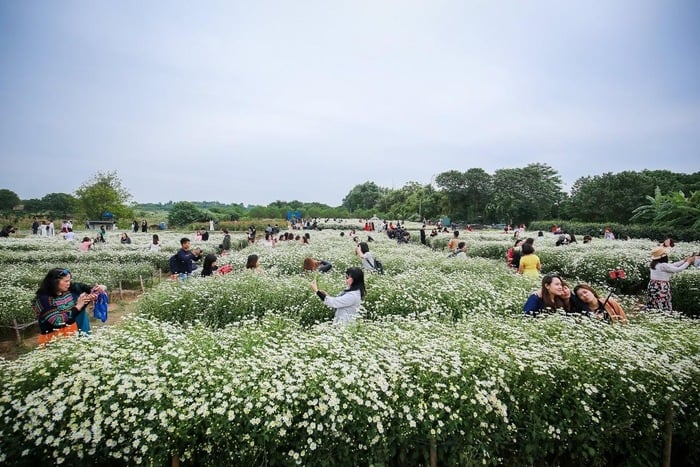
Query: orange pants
64,331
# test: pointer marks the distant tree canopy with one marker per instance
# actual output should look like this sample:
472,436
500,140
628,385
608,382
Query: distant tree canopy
184,213
104,193
514,195
614,197
8,199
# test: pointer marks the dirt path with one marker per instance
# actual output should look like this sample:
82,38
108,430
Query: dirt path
11,349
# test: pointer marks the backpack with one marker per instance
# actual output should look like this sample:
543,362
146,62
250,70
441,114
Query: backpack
378,266
175,264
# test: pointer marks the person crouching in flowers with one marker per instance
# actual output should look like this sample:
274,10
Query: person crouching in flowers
598,307
60,304
347,303
252,264
318,265
548,298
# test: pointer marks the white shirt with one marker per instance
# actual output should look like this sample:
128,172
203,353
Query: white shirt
346,306
663,271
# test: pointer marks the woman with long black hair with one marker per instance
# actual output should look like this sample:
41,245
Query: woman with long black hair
60,303
347,303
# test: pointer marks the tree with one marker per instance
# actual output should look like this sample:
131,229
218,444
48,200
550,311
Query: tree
184,213
61,204
105,193
478,191
8,199
453,184
364,196
524,195
33,206
672,210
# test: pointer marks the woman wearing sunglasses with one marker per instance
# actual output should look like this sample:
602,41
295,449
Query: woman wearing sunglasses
60,304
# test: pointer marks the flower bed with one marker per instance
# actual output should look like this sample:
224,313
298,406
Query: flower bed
245,369
488,389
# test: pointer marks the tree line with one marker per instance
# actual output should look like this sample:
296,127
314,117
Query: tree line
510,196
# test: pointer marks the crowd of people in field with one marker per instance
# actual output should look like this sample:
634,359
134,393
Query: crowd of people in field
60,302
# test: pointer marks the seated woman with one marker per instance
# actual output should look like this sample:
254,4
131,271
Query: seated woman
253,264
597,307
529,262
311,265
60,304
548,298
209,266
460,251
125,240
513,254
86,244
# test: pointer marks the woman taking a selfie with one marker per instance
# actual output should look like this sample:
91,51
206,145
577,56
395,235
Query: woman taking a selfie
598,307
347,303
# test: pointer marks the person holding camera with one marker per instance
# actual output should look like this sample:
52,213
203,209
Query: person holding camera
186,259
347,303
660,270
598,308
60,304
7,230
362,250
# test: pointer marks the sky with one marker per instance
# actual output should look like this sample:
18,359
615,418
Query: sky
253,102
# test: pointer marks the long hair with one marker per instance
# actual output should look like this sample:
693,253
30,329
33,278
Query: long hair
49,285
364,248
654,262
549,302
601,305
209,260
310,264
252,262
358,280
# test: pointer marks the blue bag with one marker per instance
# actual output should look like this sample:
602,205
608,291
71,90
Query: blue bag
101,305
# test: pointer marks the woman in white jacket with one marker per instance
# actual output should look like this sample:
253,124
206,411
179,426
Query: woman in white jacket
347,303
659,289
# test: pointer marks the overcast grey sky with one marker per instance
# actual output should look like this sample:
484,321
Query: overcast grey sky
259,101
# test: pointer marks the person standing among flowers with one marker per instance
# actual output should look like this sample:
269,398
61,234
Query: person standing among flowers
660,270
60,304
155,244
368,261
347,303
225,243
